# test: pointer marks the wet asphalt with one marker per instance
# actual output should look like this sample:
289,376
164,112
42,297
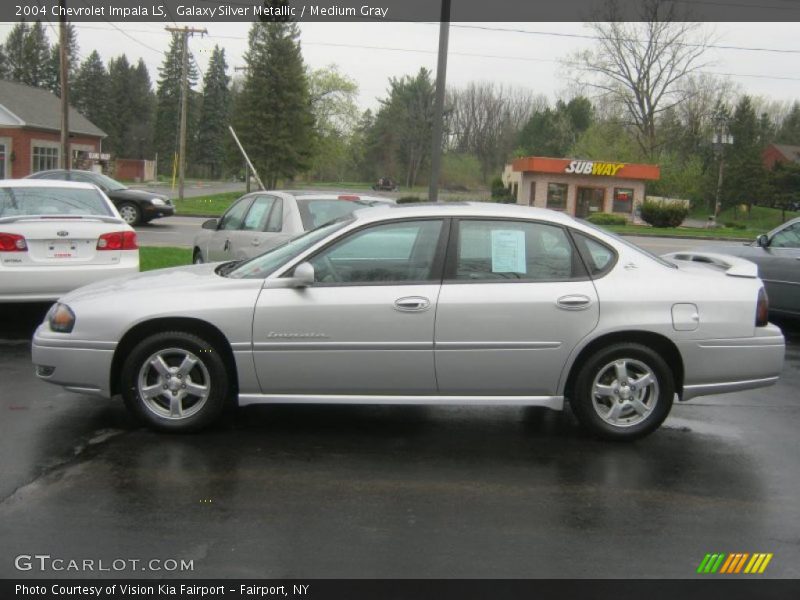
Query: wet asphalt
358,491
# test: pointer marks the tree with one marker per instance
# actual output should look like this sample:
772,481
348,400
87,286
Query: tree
121,117
745,174
274,118
142,109
90,89
214,114
552,132
53,70
642,65
14,48
789,131
168,104
36,51
3,63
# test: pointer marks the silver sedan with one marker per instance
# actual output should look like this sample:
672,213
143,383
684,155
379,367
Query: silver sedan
430,304
259,221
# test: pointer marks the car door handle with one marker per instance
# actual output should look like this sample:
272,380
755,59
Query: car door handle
255,242
574,302
227,245
412,304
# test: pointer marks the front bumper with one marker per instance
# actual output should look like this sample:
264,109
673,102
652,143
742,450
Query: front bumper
78,365
731,365
152,211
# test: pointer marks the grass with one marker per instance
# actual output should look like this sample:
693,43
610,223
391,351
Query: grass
760,220
212,205
161,257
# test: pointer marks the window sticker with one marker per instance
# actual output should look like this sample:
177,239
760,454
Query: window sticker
508,251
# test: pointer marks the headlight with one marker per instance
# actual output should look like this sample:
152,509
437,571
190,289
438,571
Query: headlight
157,202
61,318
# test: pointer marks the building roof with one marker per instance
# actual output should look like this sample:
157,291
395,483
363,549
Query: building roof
791,153
25,106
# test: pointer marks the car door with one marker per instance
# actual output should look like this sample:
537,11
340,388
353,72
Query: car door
365,326
515,301
260,229
219,241
779,267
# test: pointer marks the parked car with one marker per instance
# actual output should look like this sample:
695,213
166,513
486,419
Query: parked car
422,304
135,206
259,221
57,236
777,255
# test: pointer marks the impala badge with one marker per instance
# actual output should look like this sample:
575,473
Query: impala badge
62,233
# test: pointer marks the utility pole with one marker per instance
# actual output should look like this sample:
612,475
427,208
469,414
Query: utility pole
185,32
438,107
66,155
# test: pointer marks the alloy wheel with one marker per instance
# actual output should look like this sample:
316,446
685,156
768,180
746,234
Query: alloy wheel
625,392
174,383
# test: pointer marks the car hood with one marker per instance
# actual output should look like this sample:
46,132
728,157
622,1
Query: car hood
191,278
134,195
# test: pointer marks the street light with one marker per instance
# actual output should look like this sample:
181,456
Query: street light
719,140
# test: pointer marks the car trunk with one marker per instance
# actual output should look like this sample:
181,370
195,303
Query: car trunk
61,241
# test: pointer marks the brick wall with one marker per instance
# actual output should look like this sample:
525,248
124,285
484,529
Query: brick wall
21,146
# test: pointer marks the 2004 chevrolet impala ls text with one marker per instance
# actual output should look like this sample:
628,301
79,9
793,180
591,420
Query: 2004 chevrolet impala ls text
457,303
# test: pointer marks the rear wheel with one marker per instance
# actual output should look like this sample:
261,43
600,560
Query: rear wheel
623,392
175,381
130,213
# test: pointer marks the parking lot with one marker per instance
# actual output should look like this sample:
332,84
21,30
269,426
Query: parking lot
360,491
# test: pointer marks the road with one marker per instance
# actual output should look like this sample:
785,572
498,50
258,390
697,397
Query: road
180,231
381,491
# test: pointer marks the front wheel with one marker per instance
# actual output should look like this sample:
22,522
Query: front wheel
623,392
175,381
130,213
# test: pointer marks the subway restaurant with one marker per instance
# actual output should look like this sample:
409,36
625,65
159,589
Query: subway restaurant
579,187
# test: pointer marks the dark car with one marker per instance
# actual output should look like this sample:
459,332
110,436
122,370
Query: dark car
134,206
777,255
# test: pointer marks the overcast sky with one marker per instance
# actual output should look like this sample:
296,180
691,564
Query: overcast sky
372,52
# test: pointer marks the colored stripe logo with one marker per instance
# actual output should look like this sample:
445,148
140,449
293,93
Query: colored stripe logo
735,563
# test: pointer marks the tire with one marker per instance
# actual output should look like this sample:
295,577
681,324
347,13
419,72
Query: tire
197,257
183,396
614,410
130,213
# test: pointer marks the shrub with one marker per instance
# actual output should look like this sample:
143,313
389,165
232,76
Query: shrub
410,199
735,225
500,193
607,219
664,214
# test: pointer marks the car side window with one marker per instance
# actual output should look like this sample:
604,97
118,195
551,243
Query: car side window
234,217
514,250
598,257
257,216
788,237
389,253
275,223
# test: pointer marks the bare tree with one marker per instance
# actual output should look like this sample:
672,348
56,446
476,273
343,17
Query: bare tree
643,65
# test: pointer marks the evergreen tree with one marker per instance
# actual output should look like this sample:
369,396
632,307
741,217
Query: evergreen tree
89,91
274,118
36,56
142,109
168,104
53,71
3,63
121,117
744,170
14,48
789,132
214,114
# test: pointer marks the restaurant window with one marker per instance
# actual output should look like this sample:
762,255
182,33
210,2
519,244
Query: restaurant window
623,200
44,158
557,196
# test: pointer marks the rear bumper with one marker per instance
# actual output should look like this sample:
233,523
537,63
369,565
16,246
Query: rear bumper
731,365
80,366
47,284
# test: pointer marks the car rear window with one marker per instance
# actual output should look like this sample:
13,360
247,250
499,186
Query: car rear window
316,212
51,201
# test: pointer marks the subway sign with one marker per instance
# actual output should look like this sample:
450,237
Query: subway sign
592,167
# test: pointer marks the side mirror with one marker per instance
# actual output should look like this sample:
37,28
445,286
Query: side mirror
762,240
210,224
302,277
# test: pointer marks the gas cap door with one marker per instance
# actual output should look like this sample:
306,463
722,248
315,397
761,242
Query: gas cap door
685,317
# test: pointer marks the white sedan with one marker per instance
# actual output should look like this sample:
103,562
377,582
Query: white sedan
56,236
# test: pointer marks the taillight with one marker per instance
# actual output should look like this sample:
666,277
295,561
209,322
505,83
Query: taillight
12,242
762,308
119,240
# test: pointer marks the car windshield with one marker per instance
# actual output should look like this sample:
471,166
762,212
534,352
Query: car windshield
30,201
264,264
622,240
317,211
105,181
